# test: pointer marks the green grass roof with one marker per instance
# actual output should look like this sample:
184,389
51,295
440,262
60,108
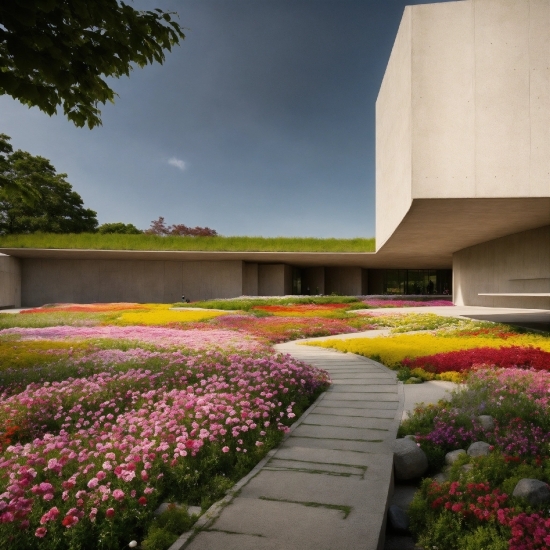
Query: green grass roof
96,241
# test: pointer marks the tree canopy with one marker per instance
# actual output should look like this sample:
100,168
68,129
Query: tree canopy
119,228
158,227
59,52
59,208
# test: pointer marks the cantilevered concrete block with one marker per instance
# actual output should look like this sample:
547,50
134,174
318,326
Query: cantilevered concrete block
463,115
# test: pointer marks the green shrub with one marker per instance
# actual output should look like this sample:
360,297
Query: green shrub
167,527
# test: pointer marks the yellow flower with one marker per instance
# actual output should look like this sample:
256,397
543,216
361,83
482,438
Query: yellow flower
164,316
392,350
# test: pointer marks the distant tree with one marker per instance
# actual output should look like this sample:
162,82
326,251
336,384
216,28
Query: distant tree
8,184
119,227
60,52
59,208
158,227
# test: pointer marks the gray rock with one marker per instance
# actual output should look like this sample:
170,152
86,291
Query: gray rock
411,437
403,495
441,477
453,456
467,467
487,422
398,519
410,461
534,491
479,448
191,510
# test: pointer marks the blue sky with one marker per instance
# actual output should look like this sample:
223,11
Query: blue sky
260,123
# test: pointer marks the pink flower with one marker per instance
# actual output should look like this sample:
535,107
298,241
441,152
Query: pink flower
40,532
118,494
110,512
225,449
93,483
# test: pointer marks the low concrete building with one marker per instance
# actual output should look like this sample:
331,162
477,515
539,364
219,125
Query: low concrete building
462,184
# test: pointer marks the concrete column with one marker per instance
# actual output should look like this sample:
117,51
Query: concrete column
10,282
250,279
344,281
314,279
274,279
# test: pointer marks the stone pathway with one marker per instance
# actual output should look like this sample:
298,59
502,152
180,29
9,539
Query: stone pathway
328,485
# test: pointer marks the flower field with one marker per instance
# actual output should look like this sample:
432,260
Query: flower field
107,410
103,421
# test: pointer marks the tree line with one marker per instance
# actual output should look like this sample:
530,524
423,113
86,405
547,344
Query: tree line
34,197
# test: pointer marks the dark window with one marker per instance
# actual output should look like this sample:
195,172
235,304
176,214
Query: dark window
417,281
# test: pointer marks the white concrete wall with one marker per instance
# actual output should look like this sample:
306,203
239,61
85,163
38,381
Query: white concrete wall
518,263
87,281
10,282
464,108
393,136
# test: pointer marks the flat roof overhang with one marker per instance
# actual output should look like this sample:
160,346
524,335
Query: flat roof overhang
426,238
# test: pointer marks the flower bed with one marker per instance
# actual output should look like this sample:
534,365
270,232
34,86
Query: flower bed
281,329
305,310
373,303
86,460
449,352
164,337
475,508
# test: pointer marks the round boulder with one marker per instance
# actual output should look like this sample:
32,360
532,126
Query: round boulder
487,422
453,456
534,491
398,519
410,460
479,448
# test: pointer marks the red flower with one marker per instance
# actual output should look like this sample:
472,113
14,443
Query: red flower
69,521
142,501
40,532
110,512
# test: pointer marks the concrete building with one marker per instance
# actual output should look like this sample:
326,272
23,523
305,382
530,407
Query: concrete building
462,183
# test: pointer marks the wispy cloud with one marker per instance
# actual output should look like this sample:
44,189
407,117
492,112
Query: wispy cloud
178,163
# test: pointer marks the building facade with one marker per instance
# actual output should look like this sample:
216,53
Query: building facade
462,184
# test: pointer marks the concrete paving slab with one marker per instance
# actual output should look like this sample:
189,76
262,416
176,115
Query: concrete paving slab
328,456
356,412
369,387
372,396
358,404
316,467
339,444
333,432
300,486
282,524
348,421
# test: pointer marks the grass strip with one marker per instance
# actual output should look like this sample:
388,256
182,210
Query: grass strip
97,241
